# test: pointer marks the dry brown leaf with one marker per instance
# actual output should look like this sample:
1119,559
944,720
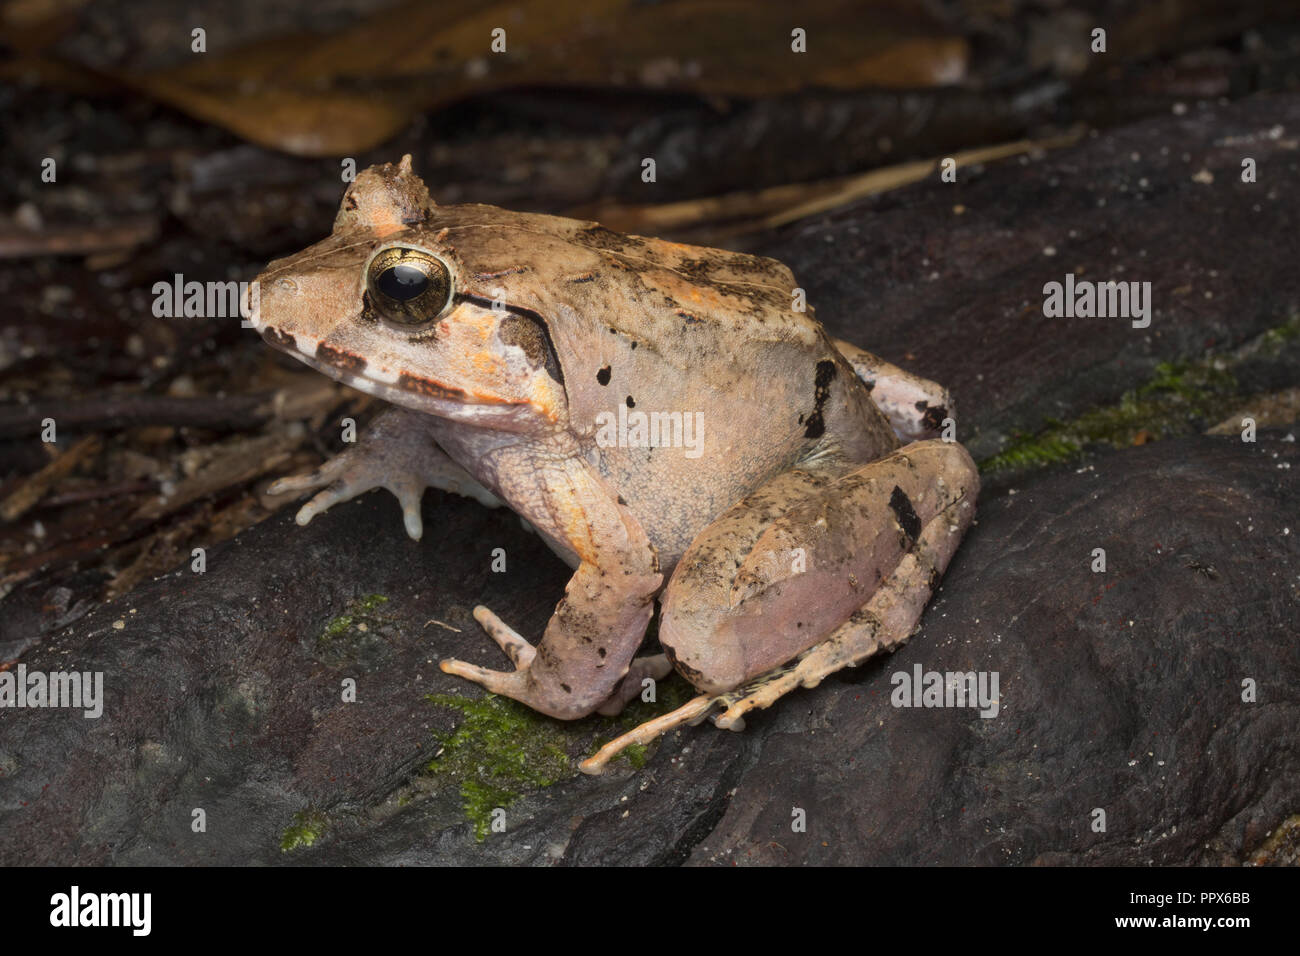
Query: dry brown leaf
342,94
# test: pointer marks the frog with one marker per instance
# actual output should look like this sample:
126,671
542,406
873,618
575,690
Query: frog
789,513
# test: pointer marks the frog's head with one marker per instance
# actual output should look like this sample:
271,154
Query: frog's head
386,305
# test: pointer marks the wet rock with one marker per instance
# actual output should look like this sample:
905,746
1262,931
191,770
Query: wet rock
947,279
1119,691
225,692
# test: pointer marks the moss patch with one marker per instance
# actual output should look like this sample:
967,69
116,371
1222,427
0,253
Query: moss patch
308,826
1179,399
358,614
498,749
502,749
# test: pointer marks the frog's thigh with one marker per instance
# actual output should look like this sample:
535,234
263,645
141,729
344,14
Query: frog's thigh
915,406
764,583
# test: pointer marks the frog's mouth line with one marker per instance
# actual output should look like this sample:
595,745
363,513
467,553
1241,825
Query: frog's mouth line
403,389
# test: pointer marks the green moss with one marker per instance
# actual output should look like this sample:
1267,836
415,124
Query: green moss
356,613
480,800
499,748
635,755
308,826
1274,340
1178,399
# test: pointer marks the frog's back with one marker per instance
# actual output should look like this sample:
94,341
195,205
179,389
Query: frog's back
705,342
678,300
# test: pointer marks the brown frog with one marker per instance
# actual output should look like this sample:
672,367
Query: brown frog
661,414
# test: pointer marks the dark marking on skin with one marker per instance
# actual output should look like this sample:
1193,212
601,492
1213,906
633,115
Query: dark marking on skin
821,391
603,376
699,270
870,383
566,688
349,201
935,577
530,334
367,309
921,406
621,501
613,330
905,513
422,386
933,417
340,359
601,651
585,277
634,343
598,237
690,317
549,359
630,402
690,673
282,339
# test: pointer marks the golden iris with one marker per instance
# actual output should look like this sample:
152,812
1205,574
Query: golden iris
408,287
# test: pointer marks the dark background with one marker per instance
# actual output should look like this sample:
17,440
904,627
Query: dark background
1087,432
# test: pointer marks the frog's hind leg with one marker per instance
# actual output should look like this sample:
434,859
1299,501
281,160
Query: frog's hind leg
883,623
915,406
736,615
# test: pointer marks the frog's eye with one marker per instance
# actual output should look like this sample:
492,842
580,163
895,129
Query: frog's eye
408,286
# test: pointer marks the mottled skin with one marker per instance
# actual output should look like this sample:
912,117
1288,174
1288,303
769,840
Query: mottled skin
798,510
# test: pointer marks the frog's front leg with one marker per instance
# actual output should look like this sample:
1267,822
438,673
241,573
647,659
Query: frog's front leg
812,573
397,452
916,407
586,651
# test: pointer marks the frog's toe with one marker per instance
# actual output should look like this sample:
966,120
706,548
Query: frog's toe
506,683
342,489
692,711
521,653
516,648
327,474
409,492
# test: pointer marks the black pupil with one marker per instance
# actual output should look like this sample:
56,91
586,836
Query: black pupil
403,282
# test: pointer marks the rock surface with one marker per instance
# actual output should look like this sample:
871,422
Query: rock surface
224,690
947,278
1119,690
